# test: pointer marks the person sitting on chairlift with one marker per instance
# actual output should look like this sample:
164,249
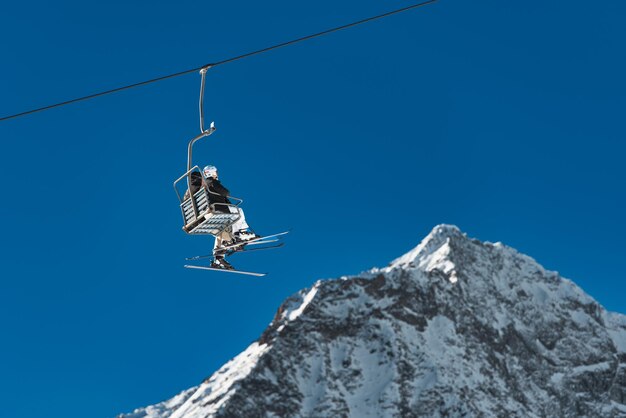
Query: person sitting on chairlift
195,183
218,198
218,194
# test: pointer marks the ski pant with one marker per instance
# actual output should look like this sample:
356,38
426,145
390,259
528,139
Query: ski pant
227,234
240,224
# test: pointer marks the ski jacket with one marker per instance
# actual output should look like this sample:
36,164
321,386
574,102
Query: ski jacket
218,194
195,184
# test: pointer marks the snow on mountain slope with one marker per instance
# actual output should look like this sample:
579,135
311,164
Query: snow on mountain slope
454,328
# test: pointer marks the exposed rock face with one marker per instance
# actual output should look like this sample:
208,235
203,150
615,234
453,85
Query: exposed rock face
454,328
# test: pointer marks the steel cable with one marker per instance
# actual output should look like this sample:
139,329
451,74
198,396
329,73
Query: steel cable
249,54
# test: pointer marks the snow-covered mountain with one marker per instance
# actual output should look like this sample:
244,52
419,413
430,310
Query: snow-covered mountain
454,328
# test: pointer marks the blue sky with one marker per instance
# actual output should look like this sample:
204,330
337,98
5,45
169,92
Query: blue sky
504,118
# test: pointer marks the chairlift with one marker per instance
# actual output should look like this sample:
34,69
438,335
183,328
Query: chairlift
199,215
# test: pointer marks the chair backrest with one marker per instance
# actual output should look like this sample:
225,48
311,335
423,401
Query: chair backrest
202,203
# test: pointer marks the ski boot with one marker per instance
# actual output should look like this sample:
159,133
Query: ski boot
221,263
244,236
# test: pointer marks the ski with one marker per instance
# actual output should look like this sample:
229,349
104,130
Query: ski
198,257
243,250
247,273
265,242
252,241
269,247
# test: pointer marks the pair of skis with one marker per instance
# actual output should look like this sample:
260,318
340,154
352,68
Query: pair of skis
241,247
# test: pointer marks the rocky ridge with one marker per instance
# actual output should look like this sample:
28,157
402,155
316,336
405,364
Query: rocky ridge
454,328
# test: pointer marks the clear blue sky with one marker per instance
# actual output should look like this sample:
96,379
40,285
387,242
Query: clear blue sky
504,118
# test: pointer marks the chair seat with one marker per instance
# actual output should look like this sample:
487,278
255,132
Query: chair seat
207,221
211,223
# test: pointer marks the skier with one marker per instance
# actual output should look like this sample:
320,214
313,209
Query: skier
218,194
194,184
241,232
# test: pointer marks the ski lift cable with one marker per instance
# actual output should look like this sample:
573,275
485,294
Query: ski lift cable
207,66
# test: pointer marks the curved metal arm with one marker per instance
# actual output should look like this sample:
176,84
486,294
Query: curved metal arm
239,201
203,132
187,173
190,147
201,100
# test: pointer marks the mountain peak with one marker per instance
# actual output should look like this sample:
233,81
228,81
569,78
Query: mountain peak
434,252
455,327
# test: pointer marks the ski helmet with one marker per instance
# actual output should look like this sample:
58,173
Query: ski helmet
210,171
